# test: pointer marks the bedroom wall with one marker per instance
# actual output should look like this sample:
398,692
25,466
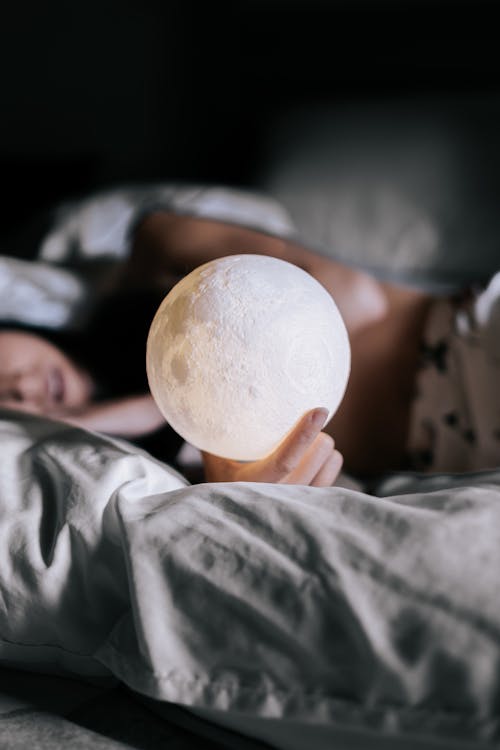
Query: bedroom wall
136,90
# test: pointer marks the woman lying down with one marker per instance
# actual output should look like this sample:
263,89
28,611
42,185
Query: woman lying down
422,394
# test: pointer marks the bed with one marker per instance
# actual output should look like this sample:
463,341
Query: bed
138,610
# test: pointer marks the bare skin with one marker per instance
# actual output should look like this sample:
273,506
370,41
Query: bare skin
372,422
384,324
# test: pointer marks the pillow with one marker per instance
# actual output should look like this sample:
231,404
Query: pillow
36,293
325,611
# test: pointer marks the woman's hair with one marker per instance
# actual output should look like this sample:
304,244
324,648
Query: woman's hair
114,345
70,342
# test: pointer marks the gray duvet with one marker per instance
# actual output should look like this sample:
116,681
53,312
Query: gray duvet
302,616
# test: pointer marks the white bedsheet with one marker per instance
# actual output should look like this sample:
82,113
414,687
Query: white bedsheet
321,612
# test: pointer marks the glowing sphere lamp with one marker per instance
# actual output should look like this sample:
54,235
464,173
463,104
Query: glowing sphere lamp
240,349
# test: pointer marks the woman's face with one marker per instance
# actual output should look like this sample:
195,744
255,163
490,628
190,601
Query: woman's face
38,377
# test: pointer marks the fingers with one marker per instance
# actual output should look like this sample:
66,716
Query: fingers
330,470
289,454
313,460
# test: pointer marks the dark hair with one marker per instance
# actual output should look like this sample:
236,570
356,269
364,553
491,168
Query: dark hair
114,346
70,342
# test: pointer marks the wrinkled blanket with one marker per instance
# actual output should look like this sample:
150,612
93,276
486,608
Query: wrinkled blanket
328,608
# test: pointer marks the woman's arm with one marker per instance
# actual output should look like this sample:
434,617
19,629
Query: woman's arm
167,246
173,243
127,417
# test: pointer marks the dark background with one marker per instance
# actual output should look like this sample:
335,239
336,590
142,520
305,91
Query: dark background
111,91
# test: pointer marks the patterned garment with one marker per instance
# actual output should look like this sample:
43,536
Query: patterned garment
455,419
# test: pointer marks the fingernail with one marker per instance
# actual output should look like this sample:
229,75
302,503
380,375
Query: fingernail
319,416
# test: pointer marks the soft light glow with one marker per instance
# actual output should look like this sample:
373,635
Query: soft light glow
240,349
